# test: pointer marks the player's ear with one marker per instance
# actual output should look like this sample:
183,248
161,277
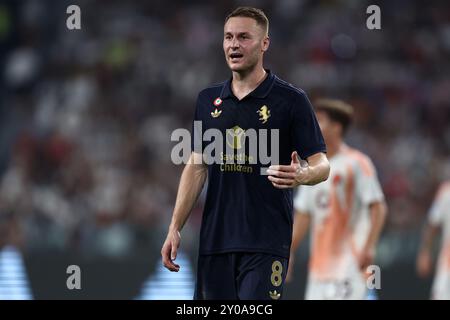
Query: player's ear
266,43
337,129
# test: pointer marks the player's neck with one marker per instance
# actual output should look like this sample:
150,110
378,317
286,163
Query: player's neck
334,148
245,82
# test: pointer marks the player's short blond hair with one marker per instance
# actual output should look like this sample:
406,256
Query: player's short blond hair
249,12
337,110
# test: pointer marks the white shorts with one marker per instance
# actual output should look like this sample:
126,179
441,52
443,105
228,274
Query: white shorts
441,286
347,289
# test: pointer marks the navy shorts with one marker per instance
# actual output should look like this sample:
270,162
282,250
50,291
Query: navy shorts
240,276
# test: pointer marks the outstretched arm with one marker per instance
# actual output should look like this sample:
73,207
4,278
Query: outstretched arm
191,184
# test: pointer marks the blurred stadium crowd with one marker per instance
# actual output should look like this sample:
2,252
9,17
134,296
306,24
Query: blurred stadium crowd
86,115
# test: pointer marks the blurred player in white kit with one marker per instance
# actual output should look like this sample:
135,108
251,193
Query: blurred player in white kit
438,220
346,213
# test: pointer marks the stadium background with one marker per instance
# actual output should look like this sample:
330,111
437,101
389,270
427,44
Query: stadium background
86,117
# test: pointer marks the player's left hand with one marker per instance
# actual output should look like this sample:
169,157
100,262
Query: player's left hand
284,177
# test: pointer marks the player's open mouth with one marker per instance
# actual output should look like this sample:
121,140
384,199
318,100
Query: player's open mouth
234,57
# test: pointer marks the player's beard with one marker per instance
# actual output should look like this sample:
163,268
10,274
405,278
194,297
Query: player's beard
247,67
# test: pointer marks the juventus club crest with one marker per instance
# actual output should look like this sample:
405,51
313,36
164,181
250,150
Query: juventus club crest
264,113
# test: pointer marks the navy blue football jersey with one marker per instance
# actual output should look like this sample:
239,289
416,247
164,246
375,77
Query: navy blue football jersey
243,211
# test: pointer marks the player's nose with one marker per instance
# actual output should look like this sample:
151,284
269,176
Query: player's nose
234,43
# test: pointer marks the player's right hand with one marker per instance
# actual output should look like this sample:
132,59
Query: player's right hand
424,264
169,250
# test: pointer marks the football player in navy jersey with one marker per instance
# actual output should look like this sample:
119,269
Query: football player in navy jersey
246,230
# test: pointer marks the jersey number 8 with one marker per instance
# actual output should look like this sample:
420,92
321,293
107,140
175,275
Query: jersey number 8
277,269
